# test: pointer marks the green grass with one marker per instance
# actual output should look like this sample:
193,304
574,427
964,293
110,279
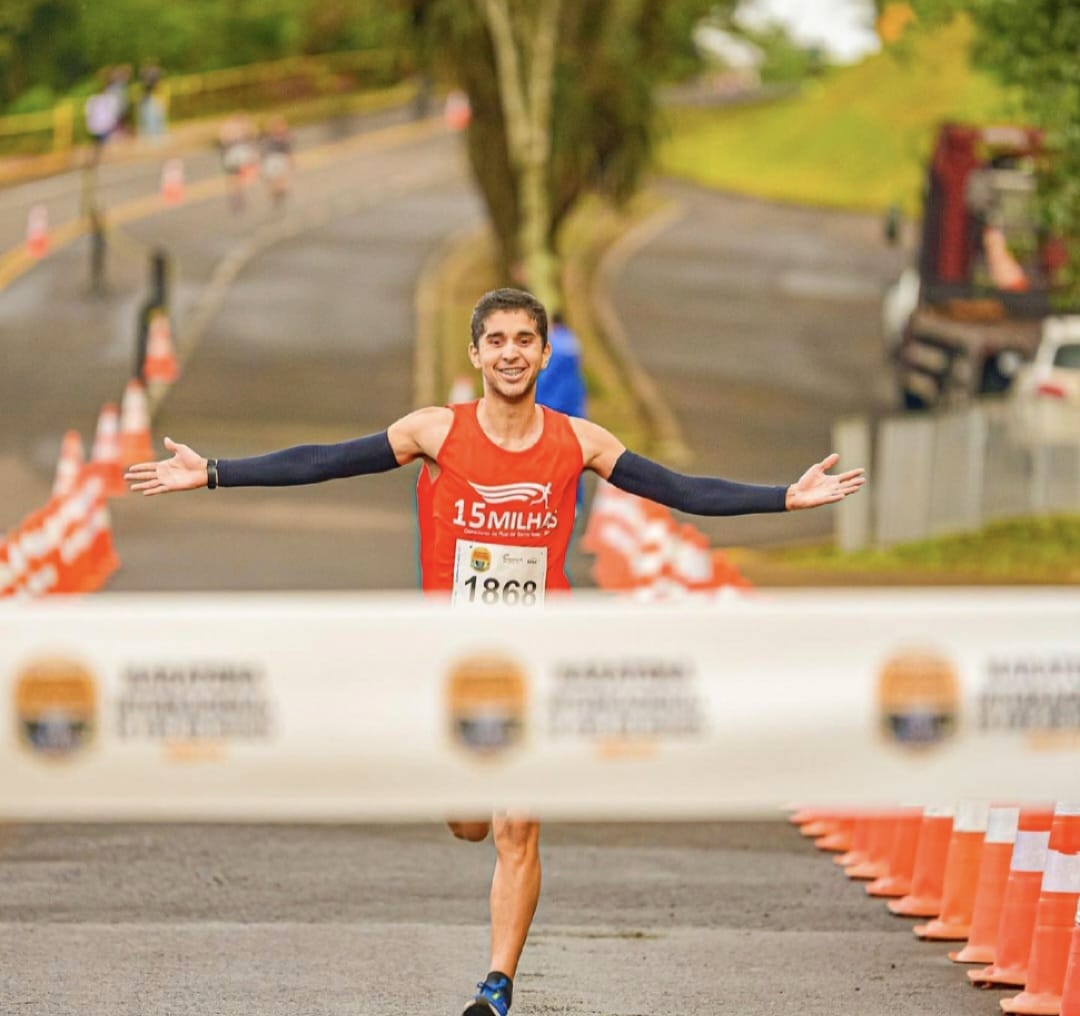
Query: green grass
857,138
1043,549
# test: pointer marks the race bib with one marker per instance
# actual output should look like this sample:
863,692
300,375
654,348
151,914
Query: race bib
495,575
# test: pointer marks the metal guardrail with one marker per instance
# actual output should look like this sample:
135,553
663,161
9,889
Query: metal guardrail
947,472
188,96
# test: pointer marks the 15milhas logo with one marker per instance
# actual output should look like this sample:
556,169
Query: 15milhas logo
489,513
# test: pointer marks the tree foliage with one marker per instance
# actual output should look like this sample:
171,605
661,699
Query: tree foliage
610,56
54,45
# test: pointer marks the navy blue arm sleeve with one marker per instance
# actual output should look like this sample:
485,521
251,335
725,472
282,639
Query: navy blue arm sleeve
310,463
698,495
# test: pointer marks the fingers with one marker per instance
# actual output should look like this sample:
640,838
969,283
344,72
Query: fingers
170,444
829,461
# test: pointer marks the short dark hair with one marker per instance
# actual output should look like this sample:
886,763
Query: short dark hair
508,299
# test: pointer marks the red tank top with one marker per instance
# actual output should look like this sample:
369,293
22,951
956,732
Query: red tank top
490,498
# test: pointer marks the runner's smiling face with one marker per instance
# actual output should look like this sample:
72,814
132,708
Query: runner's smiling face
509,354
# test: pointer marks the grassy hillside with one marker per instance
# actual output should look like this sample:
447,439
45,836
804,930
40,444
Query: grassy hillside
858,138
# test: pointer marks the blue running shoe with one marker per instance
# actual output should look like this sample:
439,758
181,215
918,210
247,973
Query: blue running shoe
492,996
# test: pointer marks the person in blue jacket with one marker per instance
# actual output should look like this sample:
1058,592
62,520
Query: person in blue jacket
561,385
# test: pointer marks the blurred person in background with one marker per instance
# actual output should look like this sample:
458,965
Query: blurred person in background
102,113
275,147
119,82
239,156
496,504
561,384
151,112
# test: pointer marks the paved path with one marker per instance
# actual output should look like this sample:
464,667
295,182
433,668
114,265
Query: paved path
740,918
759,324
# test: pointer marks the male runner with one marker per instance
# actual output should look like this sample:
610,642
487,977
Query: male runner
496,496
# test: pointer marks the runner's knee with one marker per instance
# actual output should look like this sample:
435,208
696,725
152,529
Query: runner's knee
517,839
474,832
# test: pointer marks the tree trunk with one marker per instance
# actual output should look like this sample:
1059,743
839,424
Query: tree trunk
525,91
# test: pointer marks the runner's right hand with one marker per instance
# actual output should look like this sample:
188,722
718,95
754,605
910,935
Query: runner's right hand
186,470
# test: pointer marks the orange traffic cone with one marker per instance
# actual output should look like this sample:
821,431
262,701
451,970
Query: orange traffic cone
821,822
75,556
172,182
653,554
69,465
135,443
860,841
1070,994
800,816
879,844
928,878
7,573
693,567
15,562
1054,919
101,559
160,367
896,881
961,876
840,839
725,574
1013,941
993,875
37,232
105,454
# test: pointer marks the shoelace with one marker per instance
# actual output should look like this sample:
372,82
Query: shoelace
486,988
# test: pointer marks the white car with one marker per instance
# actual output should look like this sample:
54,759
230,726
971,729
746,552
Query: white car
1045,394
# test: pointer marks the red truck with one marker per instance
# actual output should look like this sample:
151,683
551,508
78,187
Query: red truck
964,319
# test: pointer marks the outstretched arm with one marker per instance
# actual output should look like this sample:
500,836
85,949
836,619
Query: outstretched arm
419,433
709,495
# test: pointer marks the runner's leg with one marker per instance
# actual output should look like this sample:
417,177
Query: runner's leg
515,890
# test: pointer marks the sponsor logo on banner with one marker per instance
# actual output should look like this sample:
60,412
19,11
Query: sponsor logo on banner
486,700
56,705
626,706
918,698
1036,695
480,559
193,709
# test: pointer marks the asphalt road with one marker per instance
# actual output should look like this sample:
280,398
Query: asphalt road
364,921
760,325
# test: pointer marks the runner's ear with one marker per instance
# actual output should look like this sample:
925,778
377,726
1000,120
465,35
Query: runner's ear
474,355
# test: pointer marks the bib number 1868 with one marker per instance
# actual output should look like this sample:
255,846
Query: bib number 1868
492,591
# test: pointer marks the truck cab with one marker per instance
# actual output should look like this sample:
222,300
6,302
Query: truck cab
969,313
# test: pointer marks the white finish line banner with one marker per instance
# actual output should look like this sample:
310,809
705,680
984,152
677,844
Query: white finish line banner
338,708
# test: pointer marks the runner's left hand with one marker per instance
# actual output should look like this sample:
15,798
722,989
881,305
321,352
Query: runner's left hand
816,487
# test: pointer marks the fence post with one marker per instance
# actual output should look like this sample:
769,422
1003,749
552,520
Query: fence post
157,299
903,487
98,251
851,440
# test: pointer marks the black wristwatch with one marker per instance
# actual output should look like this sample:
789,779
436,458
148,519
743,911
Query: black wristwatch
211,474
